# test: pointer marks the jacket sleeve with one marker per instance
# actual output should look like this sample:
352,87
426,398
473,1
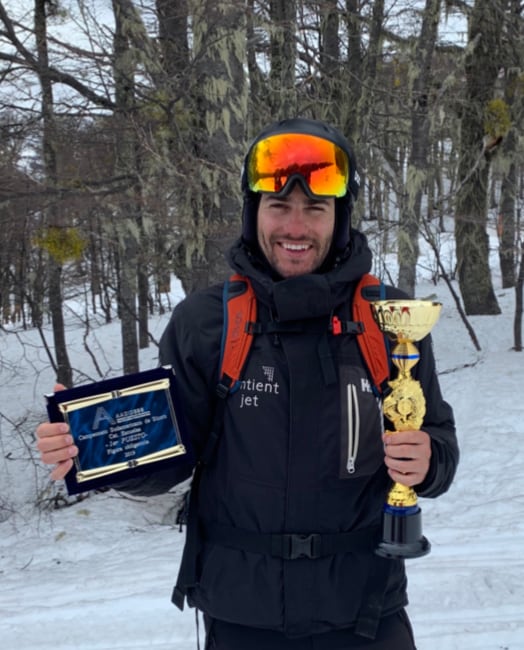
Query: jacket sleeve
191,345
439,423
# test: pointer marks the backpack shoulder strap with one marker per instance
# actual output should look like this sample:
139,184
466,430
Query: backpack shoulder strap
240,313
371,340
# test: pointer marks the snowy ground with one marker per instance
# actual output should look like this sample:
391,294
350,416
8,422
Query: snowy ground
98,575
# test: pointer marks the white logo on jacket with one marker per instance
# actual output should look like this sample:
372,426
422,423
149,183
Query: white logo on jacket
269,372
251,389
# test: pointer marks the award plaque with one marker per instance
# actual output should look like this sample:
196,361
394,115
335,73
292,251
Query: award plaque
123,427
404,321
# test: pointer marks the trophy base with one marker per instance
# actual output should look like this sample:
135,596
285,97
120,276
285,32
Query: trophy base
402,534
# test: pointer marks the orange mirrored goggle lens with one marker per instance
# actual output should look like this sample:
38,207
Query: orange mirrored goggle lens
275,160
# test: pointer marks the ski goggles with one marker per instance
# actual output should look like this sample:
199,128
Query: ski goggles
320,165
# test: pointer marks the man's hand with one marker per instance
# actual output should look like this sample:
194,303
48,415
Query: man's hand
407,456
56,445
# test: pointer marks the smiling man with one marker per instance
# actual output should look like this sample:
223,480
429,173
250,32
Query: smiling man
286,508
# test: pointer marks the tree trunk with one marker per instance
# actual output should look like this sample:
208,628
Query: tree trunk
211,207
514,62
332,94
127,237
63,365
519,290
259,112
364,109
172,34
471,235
417,175
506,224
283,97
352,77
143,306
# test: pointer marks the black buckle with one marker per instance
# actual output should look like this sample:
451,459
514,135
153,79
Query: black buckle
252,327
224,386
338,326
297,546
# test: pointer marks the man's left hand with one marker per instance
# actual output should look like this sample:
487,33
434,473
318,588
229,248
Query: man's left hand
407,456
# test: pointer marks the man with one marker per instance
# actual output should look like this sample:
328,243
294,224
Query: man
287,468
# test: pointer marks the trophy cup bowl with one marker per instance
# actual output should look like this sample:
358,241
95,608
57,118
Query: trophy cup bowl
409,320
403,322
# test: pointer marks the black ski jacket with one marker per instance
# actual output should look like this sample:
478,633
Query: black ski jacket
300,454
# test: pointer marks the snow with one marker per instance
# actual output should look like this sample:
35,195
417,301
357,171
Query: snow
98,575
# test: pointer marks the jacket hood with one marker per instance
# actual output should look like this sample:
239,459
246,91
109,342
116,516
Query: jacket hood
304,296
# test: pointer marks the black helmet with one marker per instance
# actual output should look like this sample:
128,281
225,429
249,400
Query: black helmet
343,204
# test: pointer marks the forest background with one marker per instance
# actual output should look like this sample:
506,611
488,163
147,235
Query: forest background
123,126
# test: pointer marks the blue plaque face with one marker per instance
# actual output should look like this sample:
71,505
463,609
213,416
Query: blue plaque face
121,427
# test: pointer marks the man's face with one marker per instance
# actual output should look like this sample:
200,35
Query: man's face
295,232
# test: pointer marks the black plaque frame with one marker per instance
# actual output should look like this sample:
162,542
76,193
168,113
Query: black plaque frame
123,427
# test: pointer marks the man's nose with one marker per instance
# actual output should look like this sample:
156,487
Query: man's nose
297,219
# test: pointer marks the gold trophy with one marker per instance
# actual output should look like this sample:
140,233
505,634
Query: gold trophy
404,321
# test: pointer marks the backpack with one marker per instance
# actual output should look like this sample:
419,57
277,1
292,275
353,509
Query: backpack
239,328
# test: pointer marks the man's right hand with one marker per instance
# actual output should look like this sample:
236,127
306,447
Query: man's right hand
56,445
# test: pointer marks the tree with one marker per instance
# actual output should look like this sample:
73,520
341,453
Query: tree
208,207
352,71
366,117
53,222
150,122
417,172
508,122
128,207
282,73
52,228
519,304
477,147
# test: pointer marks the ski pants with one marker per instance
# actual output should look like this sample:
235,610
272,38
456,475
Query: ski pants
394,633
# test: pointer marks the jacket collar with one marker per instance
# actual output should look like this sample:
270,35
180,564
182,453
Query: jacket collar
305,296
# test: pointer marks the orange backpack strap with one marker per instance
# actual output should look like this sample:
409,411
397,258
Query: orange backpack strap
372,342
240,310
240,313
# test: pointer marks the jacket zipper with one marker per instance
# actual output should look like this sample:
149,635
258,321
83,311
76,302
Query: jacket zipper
353,427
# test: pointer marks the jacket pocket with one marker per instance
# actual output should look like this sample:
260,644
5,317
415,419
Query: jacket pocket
352,426
361,425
